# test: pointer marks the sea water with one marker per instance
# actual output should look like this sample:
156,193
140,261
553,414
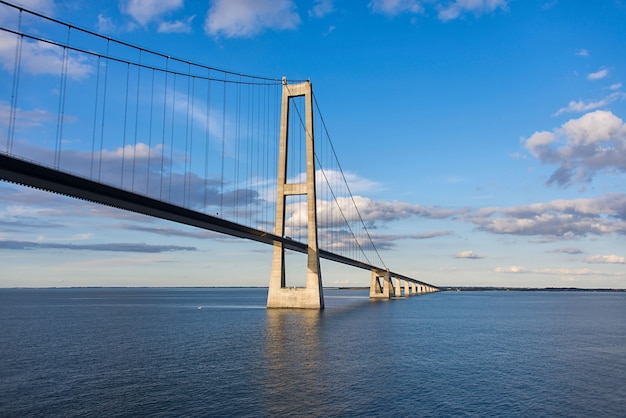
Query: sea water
220,352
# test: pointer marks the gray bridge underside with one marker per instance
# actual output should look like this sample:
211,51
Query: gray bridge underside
30,174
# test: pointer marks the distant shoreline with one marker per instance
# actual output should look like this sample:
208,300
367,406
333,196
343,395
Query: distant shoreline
506,289
441,288
525,289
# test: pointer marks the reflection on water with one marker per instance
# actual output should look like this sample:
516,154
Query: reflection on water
294,360
311,364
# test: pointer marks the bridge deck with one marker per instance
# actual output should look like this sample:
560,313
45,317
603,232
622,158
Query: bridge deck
35,175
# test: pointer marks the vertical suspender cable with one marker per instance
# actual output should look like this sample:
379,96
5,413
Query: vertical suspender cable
167,63
258,157
132,184
237,145
104,104
125,122
189,188
150,135
61,109
223,149
249,137
207,139
17,66
187,155
171,170
248,183
95,118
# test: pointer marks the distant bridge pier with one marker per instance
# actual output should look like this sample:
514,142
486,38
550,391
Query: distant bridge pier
380,285
400,288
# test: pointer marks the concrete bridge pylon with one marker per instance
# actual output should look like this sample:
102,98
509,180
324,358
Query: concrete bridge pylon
279,295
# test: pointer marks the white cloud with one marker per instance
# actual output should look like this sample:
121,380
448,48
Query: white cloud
567,250
332,214
582,53
577,272
177,26
25,118
42,58
105,24
557,272
539,141
322,8
457,8
604,215
598,75
616,86
606,259
468,254
512,269
446,10
109,247
395,7
244,18
599,126
581,147
146,11
356,183
582,106
338,240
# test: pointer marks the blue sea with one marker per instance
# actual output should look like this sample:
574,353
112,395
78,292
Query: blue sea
220,352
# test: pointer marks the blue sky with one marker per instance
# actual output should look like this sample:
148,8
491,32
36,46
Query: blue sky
485,141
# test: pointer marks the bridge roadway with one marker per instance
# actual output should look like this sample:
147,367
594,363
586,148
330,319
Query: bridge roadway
34,175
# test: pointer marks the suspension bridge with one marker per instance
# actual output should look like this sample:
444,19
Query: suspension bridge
99,119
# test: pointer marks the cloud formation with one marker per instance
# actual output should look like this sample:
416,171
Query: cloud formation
598,75
604,215
606,259
115,247
469,254
42,58
446,10
146,11
372,212
395,7
246,18
581,147
457,8
582,53
557,272
321,8
177,26
582,106
567,250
